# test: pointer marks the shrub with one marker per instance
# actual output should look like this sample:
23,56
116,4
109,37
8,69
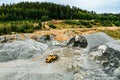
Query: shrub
19,26
39,26
44,18
117,23
106,23
86,23
52,26
72,22
47,37
28,31
89,26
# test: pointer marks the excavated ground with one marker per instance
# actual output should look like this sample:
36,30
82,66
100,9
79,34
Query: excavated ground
74,63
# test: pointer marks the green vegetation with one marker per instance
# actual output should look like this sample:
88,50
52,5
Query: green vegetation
52,26
19,26
22,17
91,23
46,11
47,37
40,11
82,23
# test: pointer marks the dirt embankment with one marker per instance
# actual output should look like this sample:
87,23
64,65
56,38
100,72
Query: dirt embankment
64,34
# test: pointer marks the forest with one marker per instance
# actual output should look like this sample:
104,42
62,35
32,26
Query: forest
21,17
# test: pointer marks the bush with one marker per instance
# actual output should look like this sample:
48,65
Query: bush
86,23
1,30
47,37
13,27
39,26
106,23
117,23
44,18
19,26
88,26
28,31
73,22
52,26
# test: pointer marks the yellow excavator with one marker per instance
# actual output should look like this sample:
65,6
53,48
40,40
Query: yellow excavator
51,58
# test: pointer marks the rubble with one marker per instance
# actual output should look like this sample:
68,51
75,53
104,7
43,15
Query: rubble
25,59
44,38
20,50
77,41
2,39
109,56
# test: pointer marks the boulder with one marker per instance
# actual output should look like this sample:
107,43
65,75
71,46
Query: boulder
44,38
17,37
116,72
112,54
2,39
78,41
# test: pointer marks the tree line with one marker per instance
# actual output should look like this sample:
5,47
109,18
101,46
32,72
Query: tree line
46,11
20,17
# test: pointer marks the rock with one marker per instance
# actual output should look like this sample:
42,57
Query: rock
112,54
17,37
78,76
20,49
10,38
116,72
44,38
2,39
105,64
77,41
27,59
102,48
27,36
